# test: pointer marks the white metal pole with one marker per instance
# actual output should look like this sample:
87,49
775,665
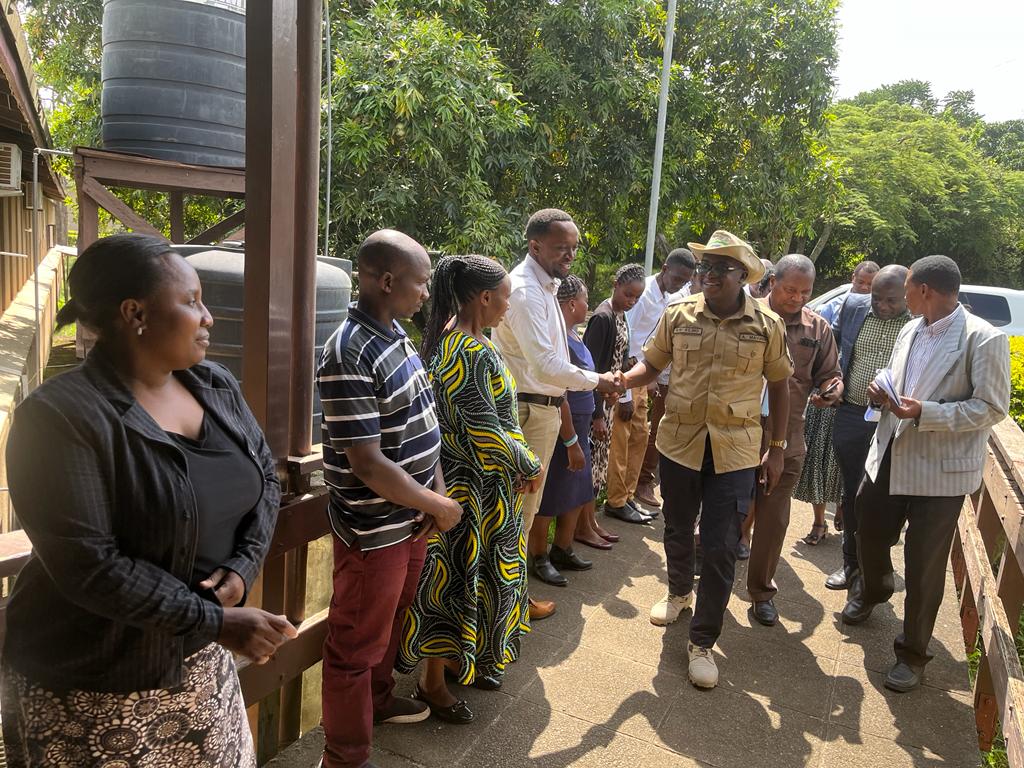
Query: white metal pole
659,141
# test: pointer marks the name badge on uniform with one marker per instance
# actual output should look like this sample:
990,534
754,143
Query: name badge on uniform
806,341
689,330
753,337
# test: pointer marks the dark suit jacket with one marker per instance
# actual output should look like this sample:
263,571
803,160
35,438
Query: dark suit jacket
104,495
847,324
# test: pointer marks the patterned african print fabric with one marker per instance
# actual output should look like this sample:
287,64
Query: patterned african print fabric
471,604
599,448
198,724
820,482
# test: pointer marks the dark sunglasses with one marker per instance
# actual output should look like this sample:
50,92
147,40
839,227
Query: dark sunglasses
718,269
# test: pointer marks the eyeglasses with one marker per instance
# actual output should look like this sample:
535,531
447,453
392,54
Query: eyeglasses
718,269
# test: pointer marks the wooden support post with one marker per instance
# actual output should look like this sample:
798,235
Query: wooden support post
985,706
117,207
177,201
219,230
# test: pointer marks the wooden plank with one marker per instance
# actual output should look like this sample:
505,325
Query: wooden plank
177,202
149,173
118,208
300,521
221,229
15,551
1008,442
291,659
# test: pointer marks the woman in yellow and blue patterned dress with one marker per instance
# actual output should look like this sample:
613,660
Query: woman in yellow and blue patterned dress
471,604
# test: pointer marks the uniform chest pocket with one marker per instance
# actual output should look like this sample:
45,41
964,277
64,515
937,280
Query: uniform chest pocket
803,359
685,348
750,355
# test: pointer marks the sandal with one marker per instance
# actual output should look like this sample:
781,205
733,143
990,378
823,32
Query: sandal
817,534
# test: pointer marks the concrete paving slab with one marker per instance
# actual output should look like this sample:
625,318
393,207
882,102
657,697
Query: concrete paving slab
851,749
800,625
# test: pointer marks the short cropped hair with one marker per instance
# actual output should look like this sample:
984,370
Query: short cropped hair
681,257
794,262
866,266
542,220
940,273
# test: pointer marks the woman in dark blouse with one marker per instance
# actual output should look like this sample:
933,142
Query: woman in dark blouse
150,496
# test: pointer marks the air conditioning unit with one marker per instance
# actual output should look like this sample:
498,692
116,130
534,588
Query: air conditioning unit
10,170
31,202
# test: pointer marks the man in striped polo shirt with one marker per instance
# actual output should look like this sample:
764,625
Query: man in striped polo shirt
381,446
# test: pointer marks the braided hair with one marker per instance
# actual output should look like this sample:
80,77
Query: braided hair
630,273
457,281
569,289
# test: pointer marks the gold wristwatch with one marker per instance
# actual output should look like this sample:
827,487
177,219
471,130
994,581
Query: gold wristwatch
778,444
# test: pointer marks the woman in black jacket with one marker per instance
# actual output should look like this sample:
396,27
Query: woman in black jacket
607,338
150,497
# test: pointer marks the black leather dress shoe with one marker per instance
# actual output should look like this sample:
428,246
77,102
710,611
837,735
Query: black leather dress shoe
857,609
627,514
650,514
567,560
842,578
546,572
903,677
764,613
487,683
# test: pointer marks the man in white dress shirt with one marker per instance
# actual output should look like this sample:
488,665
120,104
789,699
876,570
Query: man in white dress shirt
629,422
533,341
952,372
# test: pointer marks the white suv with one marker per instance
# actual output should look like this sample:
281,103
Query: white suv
1003,307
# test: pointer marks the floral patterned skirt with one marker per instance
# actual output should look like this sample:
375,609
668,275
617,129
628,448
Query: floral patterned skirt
198,724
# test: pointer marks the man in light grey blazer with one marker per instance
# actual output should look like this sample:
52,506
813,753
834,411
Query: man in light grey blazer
952,370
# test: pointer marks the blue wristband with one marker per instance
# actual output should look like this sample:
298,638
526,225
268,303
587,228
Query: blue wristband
571,441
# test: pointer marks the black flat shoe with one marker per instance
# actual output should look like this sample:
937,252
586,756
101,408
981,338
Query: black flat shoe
567,560
546,572
482,682
764,613
841,579
627,515
650,514
903,678
458,713
857,609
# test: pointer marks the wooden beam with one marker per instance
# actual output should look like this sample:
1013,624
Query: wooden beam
149,173
118,208
222,228
300,522
291,659
177,203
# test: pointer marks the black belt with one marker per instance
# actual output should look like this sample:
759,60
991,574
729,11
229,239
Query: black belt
529,397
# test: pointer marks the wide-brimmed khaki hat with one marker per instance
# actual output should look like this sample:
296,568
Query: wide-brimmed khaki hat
725,243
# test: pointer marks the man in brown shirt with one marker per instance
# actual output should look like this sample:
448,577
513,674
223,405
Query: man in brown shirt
721,345
815,366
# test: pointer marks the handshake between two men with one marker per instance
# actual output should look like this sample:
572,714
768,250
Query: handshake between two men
612,384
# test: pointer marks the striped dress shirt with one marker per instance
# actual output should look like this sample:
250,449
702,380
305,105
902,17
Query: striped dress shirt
373,389
924,346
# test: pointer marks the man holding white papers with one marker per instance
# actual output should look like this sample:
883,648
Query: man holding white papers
866,329
953,371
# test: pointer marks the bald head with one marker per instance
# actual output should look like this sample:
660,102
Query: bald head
394,272
888,295
387,250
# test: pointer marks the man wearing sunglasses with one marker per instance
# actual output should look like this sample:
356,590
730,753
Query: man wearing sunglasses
721,346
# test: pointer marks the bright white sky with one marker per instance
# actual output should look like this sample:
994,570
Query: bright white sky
956,45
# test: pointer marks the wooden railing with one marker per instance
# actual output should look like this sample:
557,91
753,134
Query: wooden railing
987,555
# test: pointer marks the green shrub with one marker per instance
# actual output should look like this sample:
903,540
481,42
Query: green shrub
1017,379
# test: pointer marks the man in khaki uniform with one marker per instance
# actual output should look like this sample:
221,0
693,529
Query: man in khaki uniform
721,345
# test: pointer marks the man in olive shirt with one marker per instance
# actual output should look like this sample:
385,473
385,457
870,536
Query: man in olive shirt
816,366
720,344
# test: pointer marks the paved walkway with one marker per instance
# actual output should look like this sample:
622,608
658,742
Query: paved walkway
598,685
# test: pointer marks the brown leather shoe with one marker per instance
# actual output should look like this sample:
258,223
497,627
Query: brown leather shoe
541,609
645,495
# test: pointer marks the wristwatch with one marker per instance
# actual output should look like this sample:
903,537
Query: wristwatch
783,444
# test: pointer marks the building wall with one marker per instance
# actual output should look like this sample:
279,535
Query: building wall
16,237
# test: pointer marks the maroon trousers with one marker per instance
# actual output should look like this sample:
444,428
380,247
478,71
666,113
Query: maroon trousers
371,593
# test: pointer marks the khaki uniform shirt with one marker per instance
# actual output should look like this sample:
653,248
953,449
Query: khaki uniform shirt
815,360
716,379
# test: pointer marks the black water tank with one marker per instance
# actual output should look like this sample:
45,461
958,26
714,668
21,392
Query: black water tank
221,275
174,79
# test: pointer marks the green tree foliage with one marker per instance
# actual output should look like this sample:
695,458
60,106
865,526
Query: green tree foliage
916,183
1004,143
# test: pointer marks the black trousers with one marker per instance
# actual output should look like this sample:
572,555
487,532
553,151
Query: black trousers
851,440
726,499
931,522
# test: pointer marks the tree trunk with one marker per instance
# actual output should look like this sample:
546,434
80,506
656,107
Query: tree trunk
822,241
801,245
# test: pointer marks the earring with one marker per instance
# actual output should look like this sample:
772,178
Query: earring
141,329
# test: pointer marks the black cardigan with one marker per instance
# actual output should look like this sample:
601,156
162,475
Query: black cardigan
600,340
105,498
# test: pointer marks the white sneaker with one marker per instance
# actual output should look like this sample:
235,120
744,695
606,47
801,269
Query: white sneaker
668,609
703,670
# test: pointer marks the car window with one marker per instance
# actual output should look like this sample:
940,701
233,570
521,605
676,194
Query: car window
994,308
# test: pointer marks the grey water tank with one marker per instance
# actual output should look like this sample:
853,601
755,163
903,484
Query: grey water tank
221,275
173,75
